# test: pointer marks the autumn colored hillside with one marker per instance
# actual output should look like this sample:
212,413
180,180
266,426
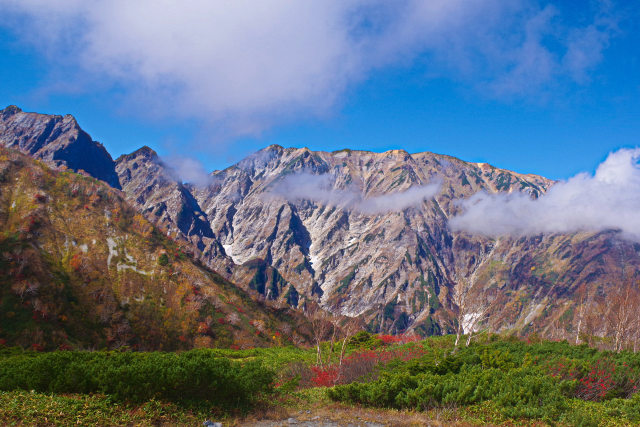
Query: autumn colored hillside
79,268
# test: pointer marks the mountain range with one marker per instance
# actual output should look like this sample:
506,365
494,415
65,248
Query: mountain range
364,234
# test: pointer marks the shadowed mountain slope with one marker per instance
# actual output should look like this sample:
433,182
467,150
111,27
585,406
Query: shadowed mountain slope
58,141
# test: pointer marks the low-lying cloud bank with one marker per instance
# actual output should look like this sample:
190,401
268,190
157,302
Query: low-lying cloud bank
319,188
610,199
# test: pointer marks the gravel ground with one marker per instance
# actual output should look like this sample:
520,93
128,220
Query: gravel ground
342,417
316,421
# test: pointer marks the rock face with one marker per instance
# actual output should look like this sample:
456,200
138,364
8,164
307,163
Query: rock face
350,229
366,234
365,251
58,141
155,190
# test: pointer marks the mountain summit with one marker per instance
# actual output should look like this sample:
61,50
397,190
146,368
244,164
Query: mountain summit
57,140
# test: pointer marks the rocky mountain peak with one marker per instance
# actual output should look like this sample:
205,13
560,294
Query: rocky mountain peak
146,153
58,141
258,160
10,110
153,186
354,238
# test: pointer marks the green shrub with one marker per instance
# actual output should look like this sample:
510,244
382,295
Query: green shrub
192,377
364,340
520,393
163,260
542,381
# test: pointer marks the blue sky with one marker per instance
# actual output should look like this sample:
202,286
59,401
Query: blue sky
537,87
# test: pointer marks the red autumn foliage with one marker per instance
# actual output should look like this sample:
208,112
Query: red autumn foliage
398,339
597,381
361,363
203,328
324,377
75,262
236,306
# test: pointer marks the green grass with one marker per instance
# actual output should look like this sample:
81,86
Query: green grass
31,408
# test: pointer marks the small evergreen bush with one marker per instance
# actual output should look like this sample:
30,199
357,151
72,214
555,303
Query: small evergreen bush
191,377
547,381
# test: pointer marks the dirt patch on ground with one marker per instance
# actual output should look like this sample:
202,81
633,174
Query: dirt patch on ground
336,415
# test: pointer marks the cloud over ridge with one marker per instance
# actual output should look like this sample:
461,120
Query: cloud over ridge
608,199
319,188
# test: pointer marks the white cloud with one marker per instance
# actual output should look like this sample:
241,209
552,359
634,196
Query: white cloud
396,202
609,199
320,189
188,170
246,65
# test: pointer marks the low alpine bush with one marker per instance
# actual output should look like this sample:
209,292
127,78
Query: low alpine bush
195,376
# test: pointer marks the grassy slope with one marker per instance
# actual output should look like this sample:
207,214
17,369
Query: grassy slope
79,268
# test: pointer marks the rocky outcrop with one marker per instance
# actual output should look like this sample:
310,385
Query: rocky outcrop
58,141
153,187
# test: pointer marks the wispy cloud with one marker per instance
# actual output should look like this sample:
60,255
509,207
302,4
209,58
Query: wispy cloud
188,170
609,199
547,50
245,65
320,189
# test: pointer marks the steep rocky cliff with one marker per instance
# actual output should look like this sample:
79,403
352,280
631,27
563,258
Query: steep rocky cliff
361,238
58,141
157,192
162,198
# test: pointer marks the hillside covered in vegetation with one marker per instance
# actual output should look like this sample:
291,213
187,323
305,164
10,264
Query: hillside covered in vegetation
80,268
